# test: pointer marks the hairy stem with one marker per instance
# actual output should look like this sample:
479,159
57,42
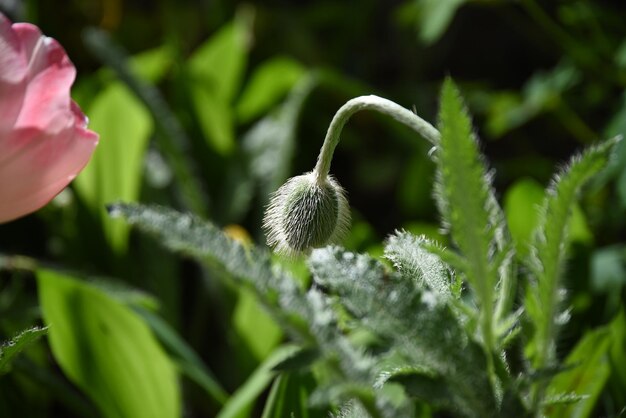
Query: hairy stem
378,104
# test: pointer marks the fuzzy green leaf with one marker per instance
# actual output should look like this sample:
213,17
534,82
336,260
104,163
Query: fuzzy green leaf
467,203
406,251
10,349
411,321
546,261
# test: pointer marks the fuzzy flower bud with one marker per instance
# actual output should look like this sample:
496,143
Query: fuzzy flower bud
306,212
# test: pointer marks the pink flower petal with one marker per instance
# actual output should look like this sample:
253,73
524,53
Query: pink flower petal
41,168
44,140
50,77
13,75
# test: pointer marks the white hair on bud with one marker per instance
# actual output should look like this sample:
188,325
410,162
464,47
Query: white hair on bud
305,213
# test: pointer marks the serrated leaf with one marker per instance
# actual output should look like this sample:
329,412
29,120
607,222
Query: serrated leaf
269,82
249,265
546,261
115,170
411,320
426,387
107,350
10,349
467,203
406,251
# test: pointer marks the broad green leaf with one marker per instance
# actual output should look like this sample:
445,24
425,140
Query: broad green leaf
216,69
546,261
107,350
435,16
216,120
219,63
269,83
467,203
241,402
172,140
10,349
153,64
115,170
255,326
188,362
585,379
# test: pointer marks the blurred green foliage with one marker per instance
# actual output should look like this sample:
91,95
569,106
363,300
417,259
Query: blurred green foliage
208,106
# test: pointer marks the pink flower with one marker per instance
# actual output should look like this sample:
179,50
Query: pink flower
44,140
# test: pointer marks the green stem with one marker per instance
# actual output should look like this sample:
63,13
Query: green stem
378,104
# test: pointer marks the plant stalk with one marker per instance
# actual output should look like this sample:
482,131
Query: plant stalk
378,104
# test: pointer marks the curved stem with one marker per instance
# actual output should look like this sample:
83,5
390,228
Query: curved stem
378,104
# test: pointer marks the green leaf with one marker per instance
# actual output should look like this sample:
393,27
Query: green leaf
172,139
617,329
115,170
467,203
435,16
219,63
270,142
10,349
188,362
289,397
410,320
241,402
187,234
584,382
216,69
546,261
255,326
406,252
216,120
269,83
107,350
152,65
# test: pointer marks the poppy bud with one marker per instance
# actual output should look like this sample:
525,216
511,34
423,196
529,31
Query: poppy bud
306,212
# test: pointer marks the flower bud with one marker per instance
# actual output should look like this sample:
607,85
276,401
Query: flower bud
306,212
